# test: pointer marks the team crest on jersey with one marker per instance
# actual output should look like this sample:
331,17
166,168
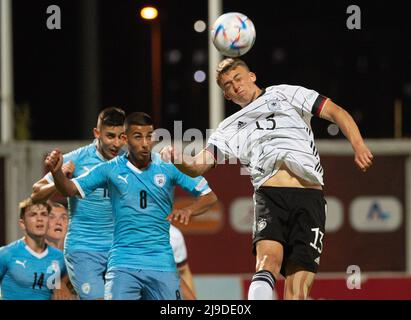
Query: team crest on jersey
86,288
55,265
273,105
160,179
261,225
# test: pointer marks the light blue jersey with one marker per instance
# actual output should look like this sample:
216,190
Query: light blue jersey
141,201
27,275
90,219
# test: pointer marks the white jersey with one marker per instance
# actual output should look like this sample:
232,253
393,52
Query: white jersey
178,245
272,130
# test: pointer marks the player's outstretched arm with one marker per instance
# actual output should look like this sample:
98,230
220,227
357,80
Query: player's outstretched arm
64,185
201,205
334,113
191,166
44,190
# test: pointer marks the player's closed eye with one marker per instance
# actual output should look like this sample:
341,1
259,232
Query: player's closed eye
238,79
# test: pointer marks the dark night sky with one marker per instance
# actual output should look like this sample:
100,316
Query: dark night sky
363,70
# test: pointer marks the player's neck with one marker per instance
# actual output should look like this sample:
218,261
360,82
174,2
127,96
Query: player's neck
139,164
100,150
37,244
59,244
256,94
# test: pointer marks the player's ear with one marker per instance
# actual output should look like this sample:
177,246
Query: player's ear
253,76
124,137
22,225
96,133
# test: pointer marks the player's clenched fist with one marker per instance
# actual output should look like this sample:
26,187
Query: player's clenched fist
167,154
54,161
171,154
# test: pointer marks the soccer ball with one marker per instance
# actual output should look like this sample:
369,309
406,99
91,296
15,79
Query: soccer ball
233,34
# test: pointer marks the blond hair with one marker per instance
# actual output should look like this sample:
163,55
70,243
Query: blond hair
229,64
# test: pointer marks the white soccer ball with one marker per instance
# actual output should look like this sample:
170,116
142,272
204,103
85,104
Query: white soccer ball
233,34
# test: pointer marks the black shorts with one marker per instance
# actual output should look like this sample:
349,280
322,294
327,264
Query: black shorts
295,217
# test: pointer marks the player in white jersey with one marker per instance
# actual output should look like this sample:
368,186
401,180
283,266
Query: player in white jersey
181,258
271,136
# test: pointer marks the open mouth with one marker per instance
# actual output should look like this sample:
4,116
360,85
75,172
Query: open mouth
58,229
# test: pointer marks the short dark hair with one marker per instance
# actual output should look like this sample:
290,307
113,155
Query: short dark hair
227,65
28,203
111,117
138,119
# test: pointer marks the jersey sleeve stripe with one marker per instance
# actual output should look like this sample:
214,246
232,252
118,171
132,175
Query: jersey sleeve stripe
49,178
206,191
318,105
80,190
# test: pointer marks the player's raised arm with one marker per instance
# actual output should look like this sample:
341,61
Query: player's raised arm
44,190
64,185
191,166
334,113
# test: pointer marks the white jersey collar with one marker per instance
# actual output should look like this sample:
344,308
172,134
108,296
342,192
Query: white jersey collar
34,253
134,168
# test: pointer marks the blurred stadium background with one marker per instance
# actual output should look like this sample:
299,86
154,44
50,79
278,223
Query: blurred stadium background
56,81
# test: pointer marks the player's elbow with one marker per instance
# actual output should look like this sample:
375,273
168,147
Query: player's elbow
36,187
37,195
211,199
200,169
